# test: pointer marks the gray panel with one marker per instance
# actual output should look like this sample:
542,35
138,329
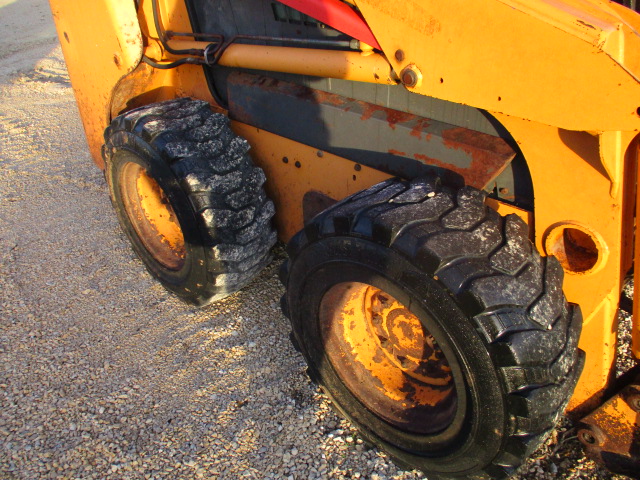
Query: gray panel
395,142
365,92
401,102
339,87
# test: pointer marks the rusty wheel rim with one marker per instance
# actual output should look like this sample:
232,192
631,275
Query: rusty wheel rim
388,360
152,216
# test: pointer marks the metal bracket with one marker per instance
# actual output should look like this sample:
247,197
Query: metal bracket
611,433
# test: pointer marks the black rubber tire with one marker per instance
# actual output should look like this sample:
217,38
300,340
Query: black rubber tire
494,302
216,192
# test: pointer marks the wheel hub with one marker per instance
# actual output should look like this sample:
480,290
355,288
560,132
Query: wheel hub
404,340
387,358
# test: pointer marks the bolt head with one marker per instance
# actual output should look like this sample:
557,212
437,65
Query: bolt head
587,437
399,55
411,76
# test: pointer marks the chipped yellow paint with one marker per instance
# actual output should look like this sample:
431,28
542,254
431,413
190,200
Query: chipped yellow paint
573,64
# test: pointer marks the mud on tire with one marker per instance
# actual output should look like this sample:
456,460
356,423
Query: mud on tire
498,340
189,198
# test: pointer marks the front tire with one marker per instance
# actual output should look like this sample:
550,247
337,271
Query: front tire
189,198
434,326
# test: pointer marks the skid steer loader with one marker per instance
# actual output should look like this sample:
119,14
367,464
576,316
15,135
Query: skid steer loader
456,181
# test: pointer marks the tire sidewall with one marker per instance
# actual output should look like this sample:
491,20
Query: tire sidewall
334,260
191,279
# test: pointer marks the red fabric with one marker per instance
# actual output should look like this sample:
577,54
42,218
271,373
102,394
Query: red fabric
337,15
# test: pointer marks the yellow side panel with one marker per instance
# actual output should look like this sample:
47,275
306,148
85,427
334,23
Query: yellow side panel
101,42
573,64
571,186
294,169
149,85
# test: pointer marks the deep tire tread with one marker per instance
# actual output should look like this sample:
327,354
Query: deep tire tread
224,188
487,262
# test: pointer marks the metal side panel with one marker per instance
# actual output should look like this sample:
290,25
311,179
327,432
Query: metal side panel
392,141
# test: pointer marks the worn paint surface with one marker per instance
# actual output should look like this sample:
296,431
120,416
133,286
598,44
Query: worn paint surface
293,170
387,358
539,76
577,176
571,186
152,216
396,142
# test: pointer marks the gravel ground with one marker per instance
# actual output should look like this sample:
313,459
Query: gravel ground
103,374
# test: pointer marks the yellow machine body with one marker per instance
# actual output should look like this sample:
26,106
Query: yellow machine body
561,76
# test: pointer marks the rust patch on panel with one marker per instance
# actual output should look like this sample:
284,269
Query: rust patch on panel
393,117
489,155
392,141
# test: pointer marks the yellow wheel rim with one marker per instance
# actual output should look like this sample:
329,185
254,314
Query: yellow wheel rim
387,358
152,216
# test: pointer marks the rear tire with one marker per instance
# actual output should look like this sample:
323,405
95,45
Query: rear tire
189,198
434,326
